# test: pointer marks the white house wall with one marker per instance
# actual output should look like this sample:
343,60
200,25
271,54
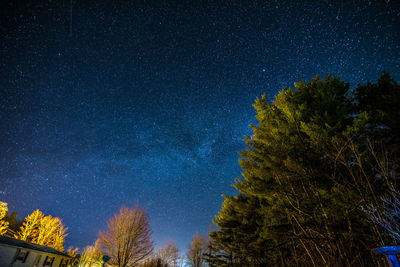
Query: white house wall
8,254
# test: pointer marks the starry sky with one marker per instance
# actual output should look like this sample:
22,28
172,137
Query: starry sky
148,102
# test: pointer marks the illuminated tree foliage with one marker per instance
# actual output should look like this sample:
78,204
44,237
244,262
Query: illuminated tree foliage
127,239
51,233
30,226
238,242
3,223
43,230
72,252
91,256
308,169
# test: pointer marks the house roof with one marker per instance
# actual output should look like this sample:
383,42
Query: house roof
22,244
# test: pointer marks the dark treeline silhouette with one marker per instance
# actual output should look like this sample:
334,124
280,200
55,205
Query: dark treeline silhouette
318,156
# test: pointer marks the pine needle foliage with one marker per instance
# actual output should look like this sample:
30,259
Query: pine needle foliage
307,172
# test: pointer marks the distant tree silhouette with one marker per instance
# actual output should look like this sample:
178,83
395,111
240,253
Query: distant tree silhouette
14,223
196,250
169,254
154,262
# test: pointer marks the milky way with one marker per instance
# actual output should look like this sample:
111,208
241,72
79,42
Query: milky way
149,104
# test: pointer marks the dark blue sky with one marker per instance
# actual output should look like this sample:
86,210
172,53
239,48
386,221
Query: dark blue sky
148,103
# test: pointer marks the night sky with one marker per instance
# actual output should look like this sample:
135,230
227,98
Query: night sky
148,103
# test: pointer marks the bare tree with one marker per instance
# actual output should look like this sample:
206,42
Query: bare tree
169,253
127,239
385,210
387,214
196,250
154,262
180,261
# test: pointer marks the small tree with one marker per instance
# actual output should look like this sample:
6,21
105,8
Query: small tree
196,251
387,215
43,230
13,223
154,262
127,239
72,252
30,226
385,212
169,253
91,256
3,213
51,233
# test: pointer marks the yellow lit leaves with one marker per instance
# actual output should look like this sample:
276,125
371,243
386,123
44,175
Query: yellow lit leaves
3,213
43,230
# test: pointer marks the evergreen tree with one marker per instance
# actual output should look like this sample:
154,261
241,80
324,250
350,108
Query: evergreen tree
382,103
239,242
306,173
13,223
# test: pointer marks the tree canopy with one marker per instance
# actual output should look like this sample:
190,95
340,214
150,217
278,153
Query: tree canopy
3,223
311,164
127,239
43,230
36,228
